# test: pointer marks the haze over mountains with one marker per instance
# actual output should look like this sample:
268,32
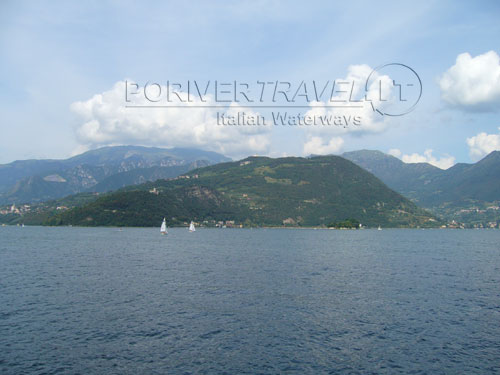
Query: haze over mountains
104,169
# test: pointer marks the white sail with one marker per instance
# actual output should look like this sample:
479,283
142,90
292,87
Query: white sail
163,229
191,227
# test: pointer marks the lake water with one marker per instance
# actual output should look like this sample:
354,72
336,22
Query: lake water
241,301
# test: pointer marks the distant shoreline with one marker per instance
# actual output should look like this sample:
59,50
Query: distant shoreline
245,228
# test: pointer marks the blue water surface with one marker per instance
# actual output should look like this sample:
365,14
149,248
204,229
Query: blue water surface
249,301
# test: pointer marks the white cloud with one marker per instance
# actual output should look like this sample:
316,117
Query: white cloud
371,121
104,120
80,149
473,83
317,146
324,139
443,162
395,152
482,144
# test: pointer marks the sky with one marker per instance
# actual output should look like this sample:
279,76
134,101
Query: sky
64,67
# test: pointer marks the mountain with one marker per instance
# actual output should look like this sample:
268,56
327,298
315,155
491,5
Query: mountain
107,168
461,189
407,179
466,182
431,186
257,191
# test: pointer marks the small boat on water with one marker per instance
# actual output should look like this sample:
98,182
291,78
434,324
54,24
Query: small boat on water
191,227
379,228
163,229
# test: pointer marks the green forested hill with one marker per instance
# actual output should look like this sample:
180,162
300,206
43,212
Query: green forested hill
466,193
430,186
257,191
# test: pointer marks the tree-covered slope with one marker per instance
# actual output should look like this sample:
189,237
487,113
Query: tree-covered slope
409,179
430,186
260,191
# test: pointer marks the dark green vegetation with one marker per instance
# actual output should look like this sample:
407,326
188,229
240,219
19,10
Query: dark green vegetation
468,193
260,191
100,170
408,179
39,213
348,224
257,191
142,208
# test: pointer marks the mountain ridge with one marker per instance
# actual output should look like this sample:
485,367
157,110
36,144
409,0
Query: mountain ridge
466,193
257,191
429,185
38,180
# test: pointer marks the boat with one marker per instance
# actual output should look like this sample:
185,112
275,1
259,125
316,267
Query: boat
379,228
191,227
163,229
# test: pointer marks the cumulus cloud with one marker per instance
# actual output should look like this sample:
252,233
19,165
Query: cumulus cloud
482,144
444,162
325,139
473,83
371,121
318,146
395,152
104,120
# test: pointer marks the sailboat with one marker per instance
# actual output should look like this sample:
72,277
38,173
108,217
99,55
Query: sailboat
163,229
379,228
191,227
